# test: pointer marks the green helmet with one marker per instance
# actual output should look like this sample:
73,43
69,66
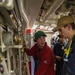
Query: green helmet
38,34
63,21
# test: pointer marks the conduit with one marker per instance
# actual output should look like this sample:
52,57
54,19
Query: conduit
22,11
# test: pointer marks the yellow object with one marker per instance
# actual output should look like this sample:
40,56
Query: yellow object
22,50
16,38
67,51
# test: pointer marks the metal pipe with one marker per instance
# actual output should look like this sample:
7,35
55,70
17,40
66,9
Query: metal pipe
56,4
22,11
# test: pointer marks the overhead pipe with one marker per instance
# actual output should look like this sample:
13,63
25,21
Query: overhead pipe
22,10
6,15
56,4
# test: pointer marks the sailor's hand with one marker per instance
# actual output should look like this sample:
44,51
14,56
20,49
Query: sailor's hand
25,45
58,58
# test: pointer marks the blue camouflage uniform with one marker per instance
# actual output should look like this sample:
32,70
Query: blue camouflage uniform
71,59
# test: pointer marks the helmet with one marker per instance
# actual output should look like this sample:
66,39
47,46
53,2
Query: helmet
38,34
63,21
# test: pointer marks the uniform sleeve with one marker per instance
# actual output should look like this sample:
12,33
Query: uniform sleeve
56,47
71,61
30,52
73,70
71,65
44,64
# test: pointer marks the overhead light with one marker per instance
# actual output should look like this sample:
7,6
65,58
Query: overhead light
34,26
54,25
46,27
55,34
41,27
50,29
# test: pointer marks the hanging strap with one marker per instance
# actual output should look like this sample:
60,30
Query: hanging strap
68,50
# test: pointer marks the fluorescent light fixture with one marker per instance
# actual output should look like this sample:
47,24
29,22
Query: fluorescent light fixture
46,27
41,27
54,25
34,26
50,29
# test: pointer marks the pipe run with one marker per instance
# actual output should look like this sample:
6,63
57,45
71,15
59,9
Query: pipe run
22,11
56,4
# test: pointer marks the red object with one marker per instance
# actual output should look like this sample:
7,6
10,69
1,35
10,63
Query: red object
28,31
45,58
